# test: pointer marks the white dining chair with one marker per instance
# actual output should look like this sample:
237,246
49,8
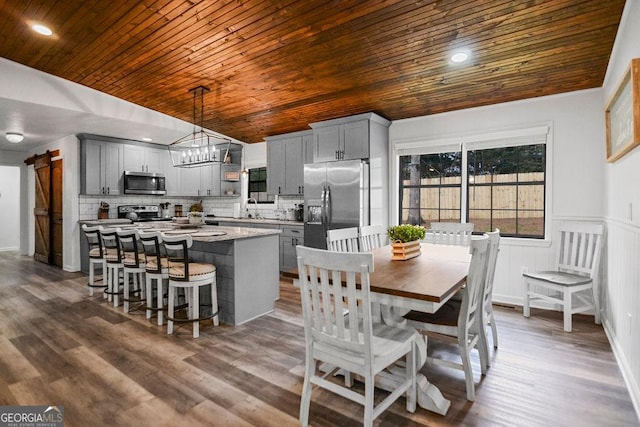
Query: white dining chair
343,239
487,313
371,237
351,343
461,321
576,273
450,233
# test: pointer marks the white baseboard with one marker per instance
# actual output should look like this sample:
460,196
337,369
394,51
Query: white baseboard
12,248
632,383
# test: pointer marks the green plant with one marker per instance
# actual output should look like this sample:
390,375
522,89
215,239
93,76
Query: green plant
405,233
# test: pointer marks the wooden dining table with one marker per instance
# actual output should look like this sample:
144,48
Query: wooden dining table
423,283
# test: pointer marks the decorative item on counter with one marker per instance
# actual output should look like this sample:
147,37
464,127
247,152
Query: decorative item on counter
177,210
229,191
405,241
103,210
196,215
164,207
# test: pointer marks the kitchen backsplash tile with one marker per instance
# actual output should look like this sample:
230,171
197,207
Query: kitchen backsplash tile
219,206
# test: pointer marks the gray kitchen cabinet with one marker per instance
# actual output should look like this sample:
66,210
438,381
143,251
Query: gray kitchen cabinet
290,237
143,159
307,141
200,181
100,167
286,156
171,176
343,141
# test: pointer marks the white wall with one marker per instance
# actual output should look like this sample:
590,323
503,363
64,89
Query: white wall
577,171
16,158
9,208
620,291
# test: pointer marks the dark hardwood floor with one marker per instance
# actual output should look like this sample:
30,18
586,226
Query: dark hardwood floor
58,346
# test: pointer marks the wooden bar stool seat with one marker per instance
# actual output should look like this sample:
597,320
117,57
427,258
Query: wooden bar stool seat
190,276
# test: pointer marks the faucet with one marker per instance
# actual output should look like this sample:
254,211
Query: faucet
255,207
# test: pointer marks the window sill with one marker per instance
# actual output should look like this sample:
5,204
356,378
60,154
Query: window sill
518,241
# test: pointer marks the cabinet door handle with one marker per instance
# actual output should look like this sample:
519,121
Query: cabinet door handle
102,191
146,168
108,190
278,190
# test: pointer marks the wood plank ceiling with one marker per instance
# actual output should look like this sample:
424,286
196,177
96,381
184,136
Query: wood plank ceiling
273,66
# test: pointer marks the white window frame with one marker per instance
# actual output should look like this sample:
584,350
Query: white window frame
524,135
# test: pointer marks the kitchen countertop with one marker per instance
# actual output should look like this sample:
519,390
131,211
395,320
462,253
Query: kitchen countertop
199,233
257,221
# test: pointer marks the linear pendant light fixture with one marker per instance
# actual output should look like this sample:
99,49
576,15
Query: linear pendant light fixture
201,147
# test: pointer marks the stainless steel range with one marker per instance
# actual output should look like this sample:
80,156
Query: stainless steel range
141,213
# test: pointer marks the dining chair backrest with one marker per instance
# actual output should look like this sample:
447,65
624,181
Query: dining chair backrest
494,248
470,312
131,249
93,239
328,281
579,249
153,250
177,250
343,240
371,237
450,233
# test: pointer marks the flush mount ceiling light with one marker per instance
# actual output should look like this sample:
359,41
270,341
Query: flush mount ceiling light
460,56
14,137
146,139
201,147
41,29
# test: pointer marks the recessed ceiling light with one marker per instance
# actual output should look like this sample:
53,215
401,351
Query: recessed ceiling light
459,57
41,29
147,139
14,137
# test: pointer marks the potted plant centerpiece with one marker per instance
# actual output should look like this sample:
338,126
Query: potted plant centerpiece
196,216
405,240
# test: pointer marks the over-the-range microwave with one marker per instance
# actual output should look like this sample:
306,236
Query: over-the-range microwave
144,183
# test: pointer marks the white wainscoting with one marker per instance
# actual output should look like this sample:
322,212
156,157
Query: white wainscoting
619,288
620,296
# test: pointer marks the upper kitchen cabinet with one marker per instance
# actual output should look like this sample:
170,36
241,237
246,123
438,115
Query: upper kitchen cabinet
286,156
200,181
144,159
347,138
101,166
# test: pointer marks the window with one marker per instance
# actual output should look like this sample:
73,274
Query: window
495,181
258,185
430,188
506,190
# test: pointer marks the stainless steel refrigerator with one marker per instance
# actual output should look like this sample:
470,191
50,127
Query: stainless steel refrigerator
336,195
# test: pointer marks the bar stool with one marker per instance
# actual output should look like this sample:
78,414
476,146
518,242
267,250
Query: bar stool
190,276
133,266
96,256
114,261
156,271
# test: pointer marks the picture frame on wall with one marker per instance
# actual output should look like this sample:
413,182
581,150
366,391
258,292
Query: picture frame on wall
622,114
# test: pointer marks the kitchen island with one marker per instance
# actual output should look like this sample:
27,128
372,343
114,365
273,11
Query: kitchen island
246,260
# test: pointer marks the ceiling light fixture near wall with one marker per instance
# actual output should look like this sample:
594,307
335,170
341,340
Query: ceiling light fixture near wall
14,137
201,147
146,139
41,29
